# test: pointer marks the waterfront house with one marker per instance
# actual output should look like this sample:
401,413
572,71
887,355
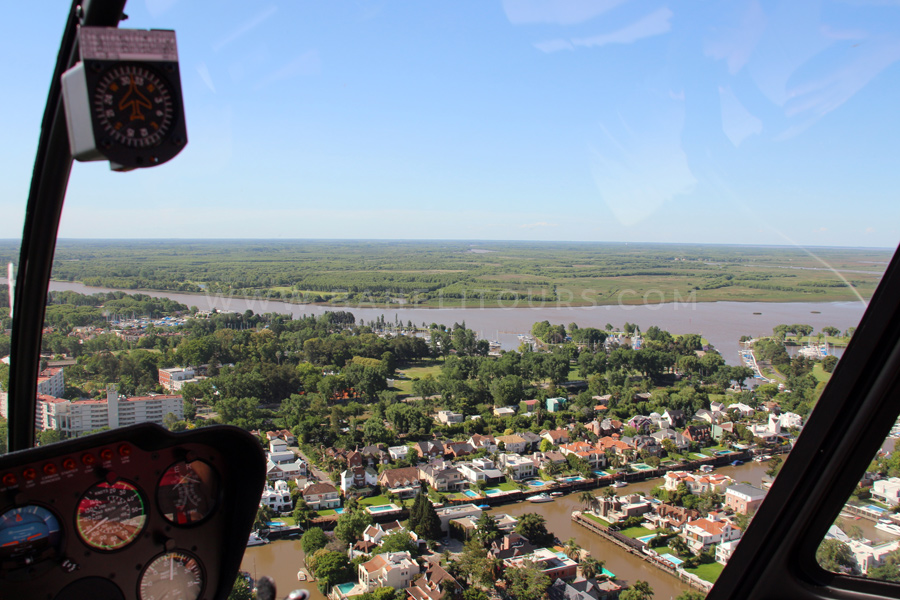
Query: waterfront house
404,482
357,478
448,513
743,499
584,589
674,417
681,444
442,478
702,434
480,469
724,551
390,569
887,490
554,565
596,458
321,496
669,515
700,534
278,498
519,467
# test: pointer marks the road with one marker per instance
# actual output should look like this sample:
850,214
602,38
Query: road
313,469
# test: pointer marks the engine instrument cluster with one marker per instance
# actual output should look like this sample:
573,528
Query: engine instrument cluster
132,513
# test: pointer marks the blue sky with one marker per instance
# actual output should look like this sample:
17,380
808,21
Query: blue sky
598,120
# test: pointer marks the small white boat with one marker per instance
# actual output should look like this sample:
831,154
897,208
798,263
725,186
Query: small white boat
556,494
540,498
619,484
255,540
707,468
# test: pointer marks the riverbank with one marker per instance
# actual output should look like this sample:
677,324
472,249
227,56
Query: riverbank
722,323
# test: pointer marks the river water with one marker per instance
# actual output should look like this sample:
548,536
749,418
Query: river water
282,559
722,323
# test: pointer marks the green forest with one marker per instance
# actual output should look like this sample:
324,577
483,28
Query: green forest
464,273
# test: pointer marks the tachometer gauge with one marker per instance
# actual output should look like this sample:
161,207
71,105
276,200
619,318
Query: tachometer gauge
28,533
187,492
111,515
172,576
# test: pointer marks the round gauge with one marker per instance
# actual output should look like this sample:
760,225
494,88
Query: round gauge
172,576
28,533
187,492
110,515
134,106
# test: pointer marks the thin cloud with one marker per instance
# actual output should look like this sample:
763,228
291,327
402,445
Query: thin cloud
656,23
246,27
553,46
556,12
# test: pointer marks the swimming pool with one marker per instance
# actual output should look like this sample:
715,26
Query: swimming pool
493,492
571,479
470,494
641,467
601,473
345,588
536,483
382,508
877,509
339,510
672,559
646,538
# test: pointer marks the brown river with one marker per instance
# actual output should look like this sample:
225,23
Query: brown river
722,323
282,559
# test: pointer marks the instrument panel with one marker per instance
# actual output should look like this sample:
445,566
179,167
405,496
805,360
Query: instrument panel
135,513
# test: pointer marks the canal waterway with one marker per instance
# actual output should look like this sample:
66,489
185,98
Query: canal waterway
282,559
722,323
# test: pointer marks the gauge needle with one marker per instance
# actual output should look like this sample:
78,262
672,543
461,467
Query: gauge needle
96,526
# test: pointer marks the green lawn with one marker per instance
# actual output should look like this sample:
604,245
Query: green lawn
417,370
708,572
325,513
636,532
507,487
374,501
595,518
819,373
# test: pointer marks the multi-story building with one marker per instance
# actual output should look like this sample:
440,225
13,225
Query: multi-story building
703,533
174,379
51,381
391,569
76,417
555,565
519,467
743,498
321,496
277,498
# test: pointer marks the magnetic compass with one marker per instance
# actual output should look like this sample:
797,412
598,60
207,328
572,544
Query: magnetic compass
134,106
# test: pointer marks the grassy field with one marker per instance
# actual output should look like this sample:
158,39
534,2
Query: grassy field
708,572
417,370
468,274
636,532
596,519
374,501
820,374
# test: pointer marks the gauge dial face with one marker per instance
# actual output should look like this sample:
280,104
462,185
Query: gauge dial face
111,515
28,532
134,106
172,576
187,492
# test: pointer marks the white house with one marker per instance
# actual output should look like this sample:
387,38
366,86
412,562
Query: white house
703,533
391,569
887,490
278,498
398,452
521,467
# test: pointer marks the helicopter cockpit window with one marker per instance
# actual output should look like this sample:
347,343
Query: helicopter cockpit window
627,242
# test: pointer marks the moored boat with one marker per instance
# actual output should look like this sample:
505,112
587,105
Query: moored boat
540,498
